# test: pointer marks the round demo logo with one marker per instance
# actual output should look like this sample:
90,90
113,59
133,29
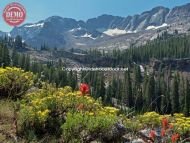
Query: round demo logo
14,14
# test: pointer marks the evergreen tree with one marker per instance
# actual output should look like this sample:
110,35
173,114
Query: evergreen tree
187,99
27,63
72,79
15,58
158,93
182,90
129,100
114,87
175,95
18,42
164,101
63,78
5,56
137,89
102,86
22,60
150,93
109,95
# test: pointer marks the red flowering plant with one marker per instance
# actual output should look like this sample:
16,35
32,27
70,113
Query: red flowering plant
175,138
84,88
152,135
165,123
164,129
167,133
163,132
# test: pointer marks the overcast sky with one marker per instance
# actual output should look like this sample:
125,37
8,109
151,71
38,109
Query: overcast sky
83,9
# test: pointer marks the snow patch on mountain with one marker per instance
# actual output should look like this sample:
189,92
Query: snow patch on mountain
80,54
156,27
80,44
75,29
72,30
79,28
88,36
35,25
131,31
115,32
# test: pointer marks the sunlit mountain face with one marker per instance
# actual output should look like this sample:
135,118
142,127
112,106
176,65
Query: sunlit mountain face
105,30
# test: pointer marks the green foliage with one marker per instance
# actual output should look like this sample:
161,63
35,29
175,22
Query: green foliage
79,123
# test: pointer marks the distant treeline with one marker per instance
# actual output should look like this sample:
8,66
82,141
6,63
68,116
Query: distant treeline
164,47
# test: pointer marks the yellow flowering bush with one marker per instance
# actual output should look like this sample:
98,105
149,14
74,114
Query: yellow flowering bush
177,123
150,118
181,123
110,110
78,123
14,82
133,124
49,105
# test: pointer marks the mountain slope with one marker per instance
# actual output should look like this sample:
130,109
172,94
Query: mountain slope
61,32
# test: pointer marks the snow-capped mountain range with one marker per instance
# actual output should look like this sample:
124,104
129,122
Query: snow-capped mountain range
105,31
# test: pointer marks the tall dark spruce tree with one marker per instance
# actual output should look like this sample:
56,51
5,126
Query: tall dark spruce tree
175,95
128,98
150,93
187,99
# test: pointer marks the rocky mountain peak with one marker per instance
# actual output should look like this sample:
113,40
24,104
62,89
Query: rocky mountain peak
68,32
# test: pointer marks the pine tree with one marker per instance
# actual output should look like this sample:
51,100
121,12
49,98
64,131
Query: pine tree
150,93
137,75
137,89
5,56
129,100
1,55
102,86
158,93
72,79
15,58
18,42
114,87
175,95
182,90
63,78
22,60
187,99
27,63
145,82
109,95
164,100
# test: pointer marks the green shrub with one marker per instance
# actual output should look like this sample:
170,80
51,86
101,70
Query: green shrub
79,125
14,82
